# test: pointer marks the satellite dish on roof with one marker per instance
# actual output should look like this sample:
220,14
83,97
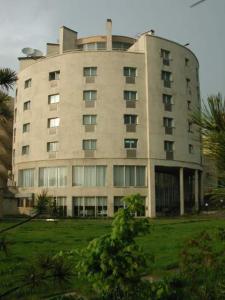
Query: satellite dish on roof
37,53
30,52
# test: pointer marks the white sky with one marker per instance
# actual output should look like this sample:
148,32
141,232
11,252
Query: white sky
33,23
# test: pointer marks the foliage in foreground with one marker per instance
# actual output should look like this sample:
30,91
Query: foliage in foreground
114,263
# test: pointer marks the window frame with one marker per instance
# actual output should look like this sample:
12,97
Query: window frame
51,119
54,75
92,95
91,70
90,142
130,142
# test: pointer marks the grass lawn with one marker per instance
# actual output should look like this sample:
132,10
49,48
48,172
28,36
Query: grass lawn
165,242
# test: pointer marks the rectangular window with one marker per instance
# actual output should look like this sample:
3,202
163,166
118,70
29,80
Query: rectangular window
90,71
89,144
165,54
167,78
54,75
129,72
130,119
130,95
129,176
53,99
53,122
90,95
53,177
26,127
90,206
168,122
52,146
188,81
167,100
189,105
25,149
190,148
26,178
190,125
89,119
89,175
168,146
27,83
130,143
186,62
26,105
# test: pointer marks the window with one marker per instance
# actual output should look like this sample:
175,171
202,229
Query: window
90,206
52,146
54,75
26,178
26,105
190,148
190,125
14,135
89,119
130,143
186,62
168,122
26,127
129,176
89,95
130,119
89,176
167,100
90,71
15,114
165,54
53,122
25,149
53,99
53,177
130,95
166,77
89,144
188,82
27,83
129,72
168,146
189,105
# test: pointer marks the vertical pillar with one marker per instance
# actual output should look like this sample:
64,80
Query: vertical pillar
109,34
201,188
181,177
69,203
196,191
151,191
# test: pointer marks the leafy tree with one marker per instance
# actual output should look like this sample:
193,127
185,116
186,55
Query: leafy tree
114,263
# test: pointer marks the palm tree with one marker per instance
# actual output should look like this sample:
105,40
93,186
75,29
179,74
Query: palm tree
212,124
7,78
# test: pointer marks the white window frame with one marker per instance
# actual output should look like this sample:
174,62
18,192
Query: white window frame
54,98
89,119
128,95
53,146
53,122
89,71
131,143
90,95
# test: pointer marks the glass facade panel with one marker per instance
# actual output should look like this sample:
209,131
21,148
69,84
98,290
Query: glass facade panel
53,177
26,178
89,175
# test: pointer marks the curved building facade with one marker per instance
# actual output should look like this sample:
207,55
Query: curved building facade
103,117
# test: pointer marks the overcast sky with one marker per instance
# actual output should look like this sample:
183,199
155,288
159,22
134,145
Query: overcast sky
32,23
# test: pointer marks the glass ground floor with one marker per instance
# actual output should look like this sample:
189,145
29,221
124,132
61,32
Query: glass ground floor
172,191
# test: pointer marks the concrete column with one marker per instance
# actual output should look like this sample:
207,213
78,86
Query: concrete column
109,34
196,191
110,208
181,177
69,203
151,191
201,188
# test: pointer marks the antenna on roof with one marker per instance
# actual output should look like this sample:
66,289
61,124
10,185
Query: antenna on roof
30,52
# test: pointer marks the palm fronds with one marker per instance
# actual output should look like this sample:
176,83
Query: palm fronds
7,78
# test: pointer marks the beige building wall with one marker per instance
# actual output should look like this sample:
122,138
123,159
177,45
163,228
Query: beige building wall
110,108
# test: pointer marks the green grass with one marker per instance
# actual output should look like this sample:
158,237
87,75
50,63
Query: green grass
165,242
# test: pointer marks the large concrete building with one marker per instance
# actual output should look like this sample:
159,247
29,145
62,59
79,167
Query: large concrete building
102,117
